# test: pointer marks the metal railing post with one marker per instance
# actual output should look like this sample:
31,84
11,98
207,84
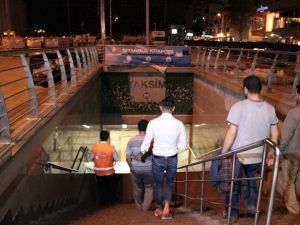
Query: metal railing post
85,69
208,59
202,188
262,172
203,58
273,185
51,87
34,112
5,135
225,69
231,189
198,57
230,203
92,55
95,54
217,60
186,187
272,72
90,50
84,150
252,69
238,63
64,82
79,65
72,69
88,58
296,80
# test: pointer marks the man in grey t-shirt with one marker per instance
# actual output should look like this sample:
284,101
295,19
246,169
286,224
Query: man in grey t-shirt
290,147
141,172
250,120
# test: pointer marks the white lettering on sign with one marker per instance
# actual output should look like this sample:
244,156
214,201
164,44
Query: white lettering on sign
145,51
147,88
262,8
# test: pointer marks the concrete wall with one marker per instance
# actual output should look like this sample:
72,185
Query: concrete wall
63,143
211,106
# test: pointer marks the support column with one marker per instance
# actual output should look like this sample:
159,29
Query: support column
102,21
147,22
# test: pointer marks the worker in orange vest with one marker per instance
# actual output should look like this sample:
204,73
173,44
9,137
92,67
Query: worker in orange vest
105,156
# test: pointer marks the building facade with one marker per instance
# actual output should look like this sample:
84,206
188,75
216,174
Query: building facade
207,17
278,21
13,16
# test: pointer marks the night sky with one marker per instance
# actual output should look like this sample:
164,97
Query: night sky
62,17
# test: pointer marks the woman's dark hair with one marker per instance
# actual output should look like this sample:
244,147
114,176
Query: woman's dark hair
253,84
298,89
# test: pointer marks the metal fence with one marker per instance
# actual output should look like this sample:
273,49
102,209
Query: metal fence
273,67
34,82
267,145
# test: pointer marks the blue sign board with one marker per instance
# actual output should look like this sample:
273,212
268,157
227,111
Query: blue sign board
139,55
262,8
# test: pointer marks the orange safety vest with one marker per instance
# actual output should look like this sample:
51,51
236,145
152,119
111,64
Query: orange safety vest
103,159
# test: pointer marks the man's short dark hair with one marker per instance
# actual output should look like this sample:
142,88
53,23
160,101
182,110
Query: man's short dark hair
253,84
168,102
104,135
298,89
142,125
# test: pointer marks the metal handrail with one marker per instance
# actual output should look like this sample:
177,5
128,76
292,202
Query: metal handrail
187,149
248,50
59,167
209,153
82,149
267,143
244,64
33,97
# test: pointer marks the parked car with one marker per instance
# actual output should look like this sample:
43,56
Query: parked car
39,70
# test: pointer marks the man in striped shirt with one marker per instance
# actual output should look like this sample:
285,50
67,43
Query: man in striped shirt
141,172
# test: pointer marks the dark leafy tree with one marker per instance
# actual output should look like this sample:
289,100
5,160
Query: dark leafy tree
239,14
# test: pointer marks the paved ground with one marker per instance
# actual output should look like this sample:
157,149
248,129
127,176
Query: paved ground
127,214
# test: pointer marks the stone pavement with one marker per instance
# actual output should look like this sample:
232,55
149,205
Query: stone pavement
127,214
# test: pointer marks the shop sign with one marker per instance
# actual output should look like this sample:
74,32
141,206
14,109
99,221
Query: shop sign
262,8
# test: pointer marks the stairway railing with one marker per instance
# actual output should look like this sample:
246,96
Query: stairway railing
83,150
267,145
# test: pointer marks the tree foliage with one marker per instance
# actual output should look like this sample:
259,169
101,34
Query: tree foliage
239,14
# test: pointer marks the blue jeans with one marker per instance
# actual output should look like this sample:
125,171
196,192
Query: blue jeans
251,199
161,167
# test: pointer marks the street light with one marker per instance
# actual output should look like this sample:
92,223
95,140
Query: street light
110,22
221,16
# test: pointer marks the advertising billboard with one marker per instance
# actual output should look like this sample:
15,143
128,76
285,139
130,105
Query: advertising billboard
140,55
259,24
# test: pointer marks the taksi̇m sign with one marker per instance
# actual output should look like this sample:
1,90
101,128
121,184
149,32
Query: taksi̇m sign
145,88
